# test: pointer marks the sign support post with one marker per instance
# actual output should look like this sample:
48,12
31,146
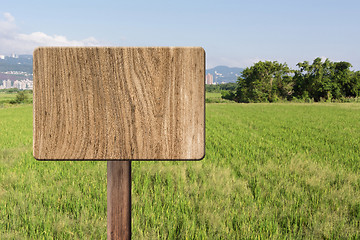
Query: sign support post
119,200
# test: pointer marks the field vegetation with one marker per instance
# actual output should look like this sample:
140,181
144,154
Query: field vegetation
215,97
14,96
321,81
279,171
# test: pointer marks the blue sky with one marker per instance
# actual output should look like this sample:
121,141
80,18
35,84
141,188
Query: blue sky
233,33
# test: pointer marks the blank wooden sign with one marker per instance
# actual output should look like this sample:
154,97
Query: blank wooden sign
119,103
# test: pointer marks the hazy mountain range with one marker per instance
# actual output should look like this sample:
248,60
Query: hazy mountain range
224,74
24,63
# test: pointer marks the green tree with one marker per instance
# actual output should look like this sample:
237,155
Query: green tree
324,80
264,82
212,88
228,86
315,80
228,94
343,78
21,97
355,82
219,87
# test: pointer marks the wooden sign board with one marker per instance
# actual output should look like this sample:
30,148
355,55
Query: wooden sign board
119,103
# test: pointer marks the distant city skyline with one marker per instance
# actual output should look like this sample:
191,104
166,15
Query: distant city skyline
233,33
26,84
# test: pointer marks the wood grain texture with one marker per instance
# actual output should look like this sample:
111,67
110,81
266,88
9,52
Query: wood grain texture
110,103
119,200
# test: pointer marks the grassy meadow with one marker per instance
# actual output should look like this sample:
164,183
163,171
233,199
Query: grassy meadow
215,97
271,171
5,98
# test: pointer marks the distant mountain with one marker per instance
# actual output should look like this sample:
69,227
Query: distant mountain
23,63
225,74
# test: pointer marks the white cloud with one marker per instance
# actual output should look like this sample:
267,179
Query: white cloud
11,41
7,26
9,17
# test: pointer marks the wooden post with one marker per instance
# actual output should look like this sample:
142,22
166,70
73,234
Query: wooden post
119,200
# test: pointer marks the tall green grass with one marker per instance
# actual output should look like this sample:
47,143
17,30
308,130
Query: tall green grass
280,171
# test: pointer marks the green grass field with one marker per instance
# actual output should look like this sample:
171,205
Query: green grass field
279,171
6,97
215,97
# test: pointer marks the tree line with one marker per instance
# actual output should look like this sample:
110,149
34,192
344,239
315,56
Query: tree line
271,81
220,87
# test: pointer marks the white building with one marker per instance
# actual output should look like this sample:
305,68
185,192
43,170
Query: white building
19,84
209,79
30,84
7,83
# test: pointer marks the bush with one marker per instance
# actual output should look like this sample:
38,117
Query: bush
21,97
229,95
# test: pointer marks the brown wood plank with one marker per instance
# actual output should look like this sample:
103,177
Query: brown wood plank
108,103
119,200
